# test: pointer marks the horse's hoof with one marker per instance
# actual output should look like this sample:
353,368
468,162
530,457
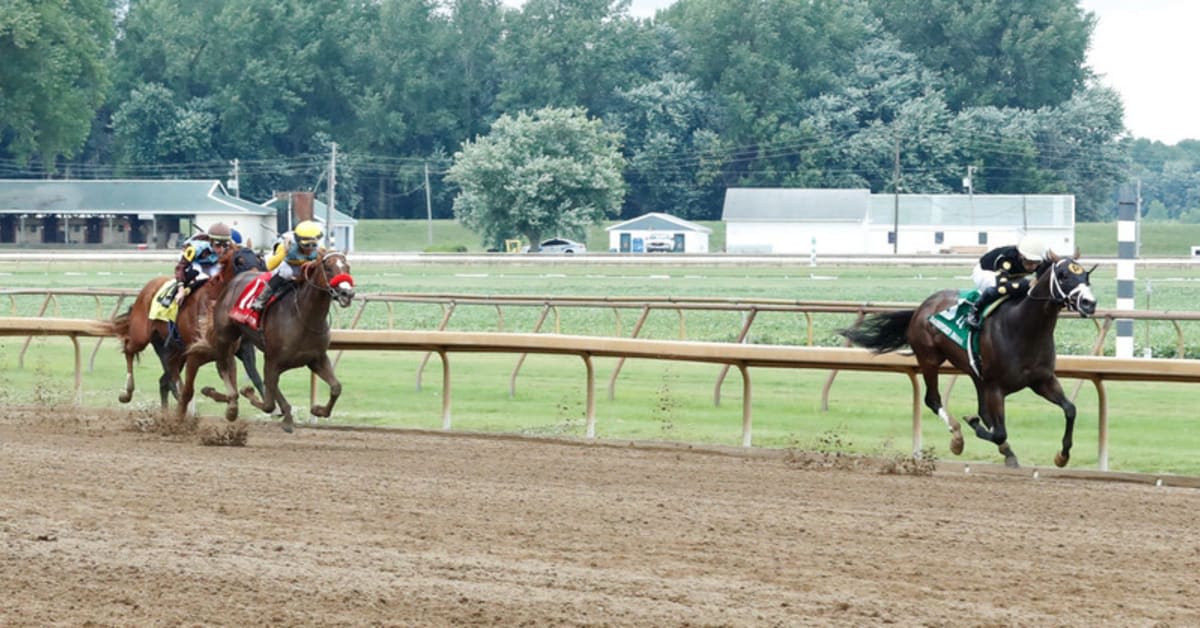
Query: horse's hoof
208,391
125,397
1060,459
231,414
1011,462
956,444
320,411
287,425
248,391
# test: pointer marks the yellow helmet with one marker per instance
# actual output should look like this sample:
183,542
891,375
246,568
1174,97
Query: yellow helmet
307,230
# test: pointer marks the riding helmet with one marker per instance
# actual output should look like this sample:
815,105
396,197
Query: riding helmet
220,232
307,232
1031,248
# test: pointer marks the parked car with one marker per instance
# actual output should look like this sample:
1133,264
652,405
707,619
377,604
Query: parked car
559,246
659,244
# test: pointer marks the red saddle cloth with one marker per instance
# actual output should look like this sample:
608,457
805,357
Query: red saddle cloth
241,311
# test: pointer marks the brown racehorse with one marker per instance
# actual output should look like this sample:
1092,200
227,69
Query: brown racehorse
136,330
294,333
1016,351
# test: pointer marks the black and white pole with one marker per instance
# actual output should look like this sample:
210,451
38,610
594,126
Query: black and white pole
1126,253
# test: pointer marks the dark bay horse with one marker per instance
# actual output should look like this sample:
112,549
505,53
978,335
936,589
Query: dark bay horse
1016,351
294,333
136,330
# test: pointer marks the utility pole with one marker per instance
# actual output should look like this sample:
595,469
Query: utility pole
896,201
332,195
428,206
969,183
234,184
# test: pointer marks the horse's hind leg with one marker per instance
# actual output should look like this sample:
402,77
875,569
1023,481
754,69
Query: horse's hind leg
324,369
933,400
991,410
1052,391
271,396
127,394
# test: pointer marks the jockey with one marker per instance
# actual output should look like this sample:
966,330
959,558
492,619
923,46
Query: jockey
198,260
1003,270
293,249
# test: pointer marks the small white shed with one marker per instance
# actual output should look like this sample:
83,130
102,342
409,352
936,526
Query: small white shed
658,232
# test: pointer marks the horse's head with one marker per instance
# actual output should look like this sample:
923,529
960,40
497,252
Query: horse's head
244,259
1070,285
331,272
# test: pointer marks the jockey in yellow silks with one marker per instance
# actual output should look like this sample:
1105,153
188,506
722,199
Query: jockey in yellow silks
293,249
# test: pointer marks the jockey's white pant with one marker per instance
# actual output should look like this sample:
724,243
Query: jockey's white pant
983,279
285,270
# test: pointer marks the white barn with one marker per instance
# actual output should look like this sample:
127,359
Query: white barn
800,221
632,235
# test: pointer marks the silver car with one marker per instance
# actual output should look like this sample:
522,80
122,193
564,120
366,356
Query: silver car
560,246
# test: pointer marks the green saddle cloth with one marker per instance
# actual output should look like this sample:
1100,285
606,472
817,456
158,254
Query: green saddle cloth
952,322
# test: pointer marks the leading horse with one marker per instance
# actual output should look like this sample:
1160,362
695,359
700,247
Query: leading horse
292,332
136,330
1016,351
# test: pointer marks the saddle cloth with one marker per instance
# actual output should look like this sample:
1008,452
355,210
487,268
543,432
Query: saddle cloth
160,312
952,322
241,311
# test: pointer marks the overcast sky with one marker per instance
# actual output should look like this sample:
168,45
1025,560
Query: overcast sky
1145,49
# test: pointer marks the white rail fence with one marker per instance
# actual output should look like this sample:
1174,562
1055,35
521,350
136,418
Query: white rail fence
1095,369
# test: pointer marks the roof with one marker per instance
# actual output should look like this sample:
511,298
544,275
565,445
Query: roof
319,212
796,204
655,221
121,196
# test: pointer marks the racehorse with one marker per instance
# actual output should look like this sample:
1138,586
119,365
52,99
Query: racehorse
1016,350
293,331
135,329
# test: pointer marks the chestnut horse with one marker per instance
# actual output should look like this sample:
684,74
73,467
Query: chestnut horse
293,332
1016,351
135,330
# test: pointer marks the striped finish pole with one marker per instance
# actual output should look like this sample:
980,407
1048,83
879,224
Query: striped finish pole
1126,253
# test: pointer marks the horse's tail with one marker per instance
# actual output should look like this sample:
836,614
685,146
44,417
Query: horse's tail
881,333
119,326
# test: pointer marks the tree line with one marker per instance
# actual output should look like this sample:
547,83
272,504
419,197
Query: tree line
709,94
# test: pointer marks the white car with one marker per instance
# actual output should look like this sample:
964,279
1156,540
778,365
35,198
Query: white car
560,246
659,244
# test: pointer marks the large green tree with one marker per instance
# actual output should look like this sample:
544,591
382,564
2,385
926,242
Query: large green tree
53,75
1005,53
553,172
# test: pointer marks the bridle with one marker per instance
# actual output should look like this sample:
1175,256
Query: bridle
1061,295
318,270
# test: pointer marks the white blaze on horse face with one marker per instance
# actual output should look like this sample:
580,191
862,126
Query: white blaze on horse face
946,419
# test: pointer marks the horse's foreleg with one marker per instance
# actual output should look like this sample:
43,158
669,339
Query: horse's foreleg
324,369
227,368
1052,391
188,389
933,400
246,354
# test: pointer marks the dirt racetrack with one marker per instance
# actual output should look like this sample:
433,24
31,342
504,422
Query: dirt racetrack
104,525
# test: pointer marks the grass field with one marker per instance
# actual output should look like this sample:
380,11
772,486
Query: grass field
1151,428
1158,239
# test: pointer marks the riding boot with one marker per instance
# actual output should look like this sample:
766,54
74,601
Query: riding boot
986,298
275,284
